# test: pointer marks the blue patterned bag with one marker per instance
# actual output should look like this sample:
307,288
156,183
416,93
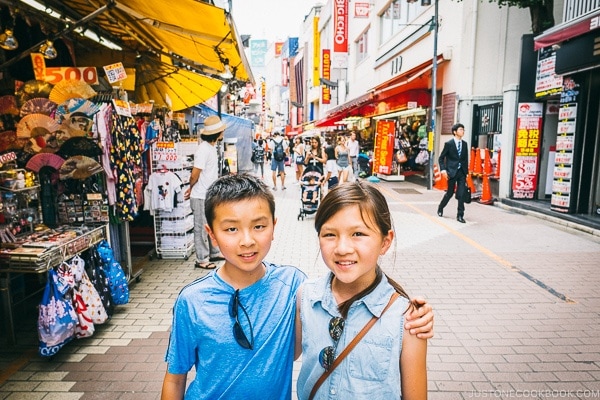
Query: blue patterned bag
57,319
117,280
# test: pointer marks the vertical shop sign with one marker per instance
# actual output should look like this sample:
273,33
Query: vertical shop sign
316,51
527,150
547,82
326,90
258,50
565,145
340,33
384,147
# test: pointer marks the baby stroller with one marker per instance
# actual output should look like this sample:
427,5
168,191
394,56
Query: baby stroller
364,165
310,195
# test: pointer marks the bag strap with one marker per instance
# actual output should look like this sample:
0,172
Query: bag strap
350,346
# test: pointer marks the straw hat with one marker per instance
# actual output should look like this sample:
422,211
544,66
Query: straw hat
213,125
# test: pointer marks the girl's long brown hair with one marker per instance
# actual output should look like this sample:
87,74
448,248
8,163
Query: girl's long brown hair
373,207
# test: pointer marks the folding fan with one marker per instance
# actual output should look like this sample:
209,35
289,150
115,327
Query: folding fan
32,89
79,146
68,89
79,167
38,161
75,105
38,105
34,125
8,140
8,105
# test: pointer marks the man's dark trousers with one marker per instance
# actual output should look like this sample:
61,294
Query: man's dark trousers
460,181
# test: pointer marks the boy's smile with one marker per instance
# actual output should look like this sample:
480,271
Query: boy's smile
243,230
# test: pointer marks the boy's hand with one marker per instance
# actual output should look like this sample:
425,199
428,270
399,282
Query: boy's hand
420,319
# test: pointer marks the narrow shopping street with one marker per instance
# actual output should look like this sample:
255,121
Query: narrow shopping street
516,299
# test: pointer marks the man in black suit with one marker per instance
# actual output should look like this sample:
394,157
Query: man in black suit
454,162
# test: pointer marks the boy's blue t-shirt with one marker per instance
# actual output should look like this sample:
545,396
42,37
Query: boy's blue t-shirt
202,336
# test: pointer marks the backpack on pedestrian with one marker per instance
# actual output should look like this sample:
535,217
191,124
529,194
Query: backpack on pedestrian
258,155
278,151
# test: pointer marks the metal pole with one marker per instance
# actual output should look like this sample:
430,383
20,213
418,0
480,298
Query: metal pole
433,95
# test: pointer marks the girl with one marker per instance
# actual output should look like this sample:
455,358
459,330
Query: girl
299,158
354,228
342,160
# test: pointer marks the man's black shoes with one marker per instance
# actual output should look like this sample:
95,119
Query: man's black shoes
440,212
461,219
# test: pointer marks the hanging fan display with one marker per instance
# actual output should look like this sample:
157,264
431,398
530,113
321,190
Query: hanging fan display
73,106
35,125
38,161
79,146
38,105
32,89
8,105
69,89
79,167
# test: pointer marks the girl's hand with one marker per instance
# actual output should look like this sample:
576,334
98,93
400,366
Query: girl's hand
420,319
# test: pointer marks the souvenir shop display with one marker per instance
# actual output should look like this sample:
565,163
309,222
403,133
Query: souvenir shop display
173,219
67,169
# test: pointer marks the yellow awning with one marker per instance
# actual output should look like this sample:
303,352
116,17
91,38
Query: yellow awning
173,87
181,33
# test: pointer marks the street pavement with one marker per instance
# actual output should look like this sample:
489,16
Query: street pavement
516,300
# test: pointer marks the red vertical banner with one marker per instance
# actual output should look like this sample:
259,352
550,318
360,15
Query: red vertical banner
527,150
340,26
285,71
326,68
384,147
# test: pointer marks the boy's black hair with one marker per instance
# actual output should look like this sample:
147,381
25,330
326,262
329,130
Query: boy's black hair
233,188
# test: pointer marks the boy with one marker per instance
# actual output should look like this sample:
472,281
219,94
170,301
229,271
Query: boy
236,324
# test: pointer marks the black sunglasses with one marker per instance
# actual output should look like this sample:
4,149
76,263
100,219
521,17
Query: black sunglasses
327,355
238,332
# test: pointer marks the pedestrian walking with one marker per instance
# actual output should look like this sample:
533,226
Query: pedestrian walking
454,162
279,149
354,228
299,155
353,151
342,160
204,172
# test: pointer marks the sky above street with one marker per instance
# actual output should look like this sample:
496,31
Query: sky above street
270,19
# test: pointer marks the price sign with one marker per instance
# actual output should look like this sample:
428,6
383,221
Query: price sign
164,151
88,75
115,72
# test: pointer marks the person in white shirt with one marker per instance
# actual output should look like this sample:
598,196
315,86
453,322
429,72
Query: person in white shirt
277,162
353,150
204,173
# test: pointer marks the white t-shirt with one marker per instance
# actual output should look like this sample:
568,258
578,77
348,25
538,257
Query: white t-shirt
273,141
207,160
163,186
353,148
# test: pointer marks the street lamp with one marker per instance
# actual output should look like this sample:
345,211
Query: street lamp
433,137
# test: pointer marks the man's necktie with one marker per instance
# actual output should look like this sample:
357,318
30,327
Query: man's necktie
459,147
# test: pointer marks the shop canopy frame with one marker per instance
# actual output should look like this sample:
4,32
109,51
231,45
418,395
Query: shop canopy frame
197,37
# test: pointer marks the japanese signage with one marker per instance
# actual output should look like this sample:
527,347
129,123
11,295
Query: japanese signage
565,144
547,82
115,72
361,10
384,147
278,48
326,90
316,51
527,150
258,50
54,75
164,151
340,33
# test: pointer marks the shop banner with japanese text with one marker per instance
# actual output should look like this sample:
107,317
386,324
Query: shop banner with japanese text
384,147
527,150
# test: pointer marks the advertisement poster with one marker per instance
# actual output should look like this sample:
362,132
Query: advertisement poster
547,82
527,150
384,147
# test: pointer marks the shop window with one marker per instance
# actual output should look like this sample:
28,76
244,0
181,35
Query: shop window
362,46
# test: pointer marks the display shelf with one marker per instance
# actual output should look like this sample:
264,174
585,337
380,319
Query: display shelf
37,257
